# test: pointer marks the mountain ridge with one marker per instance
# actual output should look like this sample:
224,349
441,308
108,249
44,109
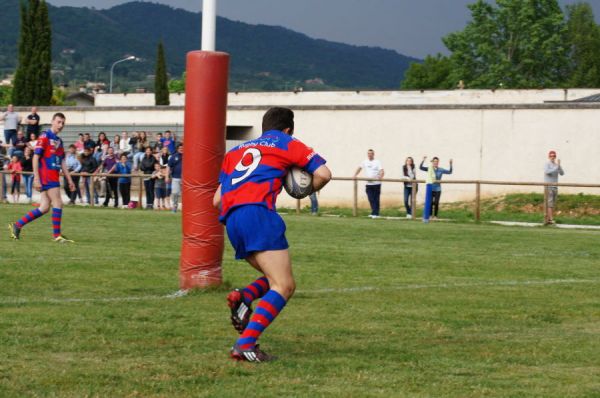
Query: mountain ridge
263,57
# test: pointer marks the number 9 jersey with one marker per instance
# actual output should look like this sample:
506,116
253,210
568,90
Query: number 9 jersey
252,173
49,147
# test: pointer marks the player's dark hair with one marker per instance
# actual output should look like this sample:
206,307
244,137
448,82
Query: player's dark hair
60,115
278,118
435,158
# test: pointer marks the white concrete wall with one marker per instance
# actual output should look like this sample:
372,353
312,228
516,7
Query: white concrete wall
486,142
306,98
500,145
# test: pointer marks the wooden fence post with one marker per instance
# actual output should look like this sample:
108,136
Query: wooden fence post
141,191
93,186
477,201
297,206
413,200
4,186
355,199
545,205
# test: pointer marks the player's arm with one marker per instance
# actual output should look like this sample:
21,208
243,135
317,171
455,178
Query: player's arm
321,177
36,172
66,173
217,197
357,172
381,173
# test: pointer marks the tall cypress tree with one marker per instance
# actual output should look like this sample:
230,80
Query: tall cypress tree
43,91
22,82
33,82
161,88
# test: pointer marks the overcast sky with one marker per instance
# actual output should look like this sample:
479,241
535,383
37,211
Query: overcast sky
411,27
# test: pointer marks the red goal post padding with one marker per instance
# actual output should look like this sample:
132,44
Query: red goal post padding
204,132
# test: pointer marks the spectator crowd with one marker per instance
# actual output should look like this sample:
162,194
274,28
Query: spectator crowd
100,167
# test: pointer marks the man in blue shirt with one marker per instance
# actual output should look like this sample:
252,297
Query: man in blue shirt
74,166
175,167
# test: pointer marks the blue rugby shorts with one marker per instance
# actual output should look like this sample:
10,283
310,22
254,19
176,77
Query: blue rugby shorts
254,228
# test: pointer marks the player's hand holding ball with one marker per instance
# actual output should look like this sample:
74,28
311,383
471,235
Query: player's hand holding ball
298,183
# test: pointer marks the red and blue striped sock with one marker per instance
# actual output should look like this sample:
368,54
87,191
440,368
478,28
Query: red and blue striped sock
56,219
255,290
266,311
29,217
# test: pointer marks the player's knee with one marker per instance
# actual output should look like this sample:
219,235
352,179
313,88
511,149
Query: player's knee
285,288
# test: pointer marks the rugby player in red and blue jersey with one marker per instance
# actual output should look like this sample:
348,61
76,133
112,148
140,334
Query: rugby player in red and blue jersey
250,180
48,161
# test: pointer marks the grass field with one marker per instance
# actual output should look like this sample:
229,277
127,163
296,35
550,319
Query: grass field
383,308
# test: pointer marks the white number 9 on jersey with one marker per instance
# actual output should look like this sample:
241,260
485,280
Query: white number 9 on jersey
246,164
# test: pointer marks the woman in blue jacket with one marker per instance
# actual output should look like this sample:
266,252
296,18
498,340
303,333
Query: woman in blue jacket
436,188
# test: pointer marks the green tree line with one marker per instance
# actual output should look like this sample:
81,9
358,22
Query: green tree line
516,44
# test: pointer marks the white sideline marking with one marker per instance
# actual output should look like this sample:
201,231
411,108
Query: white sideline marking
546,282
454,285
533,224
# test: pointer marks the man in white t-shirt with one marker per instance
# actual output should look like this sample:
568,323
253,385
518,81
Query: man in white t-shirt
373,171
11,124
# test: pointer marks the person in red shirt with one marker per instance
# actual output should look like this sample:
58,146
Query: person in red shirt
48,161
15,169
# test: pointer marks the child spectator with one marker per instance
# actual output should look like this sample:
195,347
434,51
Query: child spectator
32,141
160,186
164,156
169,142
15,169
124,145
79,144
27,164
124,168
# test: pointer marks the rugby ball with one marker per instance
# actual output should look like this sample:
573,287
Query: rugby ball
298,183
